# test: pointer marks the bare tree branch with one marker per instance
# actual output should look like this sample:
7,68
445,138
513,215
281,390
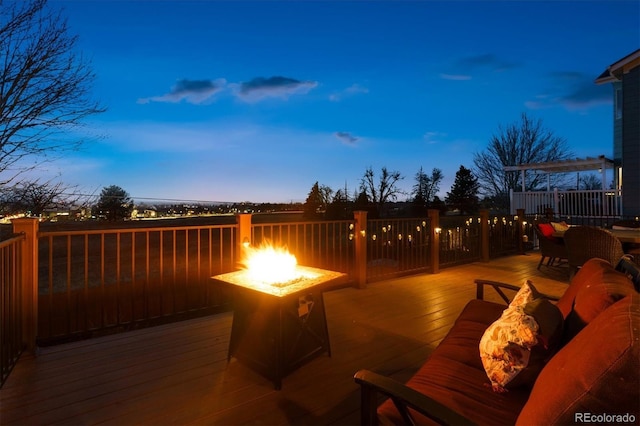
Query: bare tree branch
385,190
34,197
518,143
44,87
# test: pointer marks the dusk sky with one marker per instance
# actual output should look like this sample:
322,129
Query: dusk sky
256,101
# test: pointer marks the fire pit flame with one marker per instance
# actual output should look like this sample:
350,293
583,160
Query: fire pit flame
271,265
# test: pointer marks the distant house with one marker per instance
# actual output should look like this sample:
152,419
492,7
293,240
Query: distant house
625,77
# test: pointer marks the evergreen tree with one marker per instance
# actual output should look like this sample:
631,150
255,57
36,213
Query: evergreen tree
438,204
313,203
114,203
464,192
361,202
339,206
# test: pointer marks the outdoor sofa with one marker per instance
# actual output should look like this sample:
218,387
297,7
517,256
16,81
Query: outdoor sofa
591,376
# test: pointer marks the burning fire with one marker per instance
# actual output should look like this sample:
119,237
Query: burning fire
270,265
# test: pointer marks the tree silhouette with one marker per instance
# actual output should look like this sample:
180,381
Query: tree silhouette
44,87
339,208
425,189
464,192
589,181
317,201
360,201
313,203
34,197
518,143
385,190
114,203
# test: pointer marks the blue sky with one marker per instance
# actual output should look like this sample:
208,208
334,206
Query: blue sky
256,101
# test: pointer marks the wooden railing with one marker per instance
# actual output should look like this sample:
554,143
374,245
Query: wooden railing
77,284
96,280
591,203
11,303
460,240
319,244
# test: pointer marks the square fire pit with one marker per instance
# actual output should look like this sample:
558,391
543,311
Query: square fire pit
279,327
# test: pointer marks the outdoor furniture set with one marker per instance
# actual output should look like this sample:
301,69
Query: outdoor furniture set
629,228
559,242
586,242
532,361
551,248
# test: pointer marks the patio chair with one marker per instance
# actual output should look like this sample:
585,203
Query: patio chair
586,242
551,248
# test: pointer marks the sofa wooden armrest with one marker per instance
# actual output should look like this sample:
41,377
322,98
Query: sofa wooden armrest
404,398
499,286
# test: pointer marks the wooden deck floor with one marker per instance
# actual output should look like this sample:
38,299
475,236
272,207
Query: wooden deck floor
178,373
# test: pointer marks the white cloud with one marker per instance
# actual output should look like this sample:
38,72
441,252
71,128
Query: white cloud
354,89
260,88
434,137
456,77
192,91
346,138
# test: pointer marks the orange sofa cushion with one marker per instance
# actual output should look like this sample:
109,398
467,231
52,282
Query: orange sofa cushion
595,287
596,373
595,271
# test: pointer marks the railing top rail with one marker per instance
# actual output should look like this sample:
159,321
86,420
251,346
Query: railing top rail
566,191
302,222
133,230
399,218
12,240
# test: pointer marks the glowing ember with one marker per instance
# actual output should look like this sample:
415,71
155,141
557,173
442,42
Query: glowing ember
271,265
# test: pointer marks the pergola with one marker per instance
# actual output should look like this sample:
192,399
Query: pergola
601,163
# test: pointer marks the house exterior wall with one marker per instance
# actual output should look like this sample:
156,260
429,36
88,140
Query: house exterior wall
617,125
631,142
617,133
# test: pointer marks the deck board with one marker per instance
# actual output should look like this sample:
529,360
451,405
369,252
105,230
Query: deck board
178,373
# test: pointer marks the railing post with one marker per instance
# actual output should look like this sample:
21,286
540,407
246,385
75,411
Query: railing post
484,234
360,236
434,220
548,213
29,275
520,231
512,204
244,233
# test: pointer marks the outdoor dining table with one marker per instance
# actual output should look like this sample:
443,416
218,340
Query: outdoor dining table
627,235
624,235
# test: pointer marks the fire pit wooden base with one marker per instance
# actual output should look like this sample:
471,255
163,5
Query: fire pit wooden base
276,330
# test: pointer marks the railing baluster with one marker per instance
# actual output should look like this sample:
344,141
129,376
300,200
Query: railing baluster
133,275
11,303
86,282
395,246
